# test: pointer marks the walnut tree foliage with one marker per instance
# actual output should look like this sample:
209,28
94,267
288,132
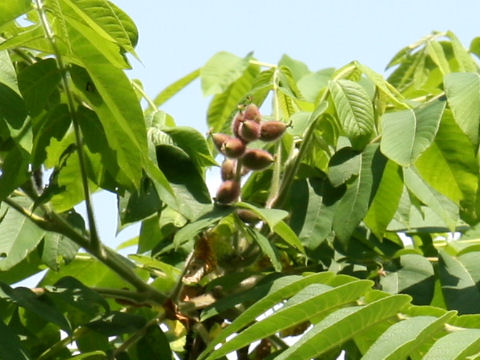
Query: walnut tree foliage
318,235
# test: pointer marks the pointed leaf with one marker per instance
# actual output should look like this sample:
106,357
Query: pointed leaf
456,345
407,134
288,235
441,205
342,325
271,216
267,248
436,52
354,109
307,303
353,206
459,277
450,165
10,346
283,289
30,301
18,237
225,104
463,94
403,337
386,200
174,88
220,71
463,57
106,19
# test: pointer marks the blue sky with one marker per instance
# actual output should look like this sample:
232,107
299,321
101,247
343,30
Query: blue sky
179,36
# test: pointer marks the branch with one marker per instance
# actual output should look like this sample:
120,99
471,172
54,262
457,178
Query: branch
94,239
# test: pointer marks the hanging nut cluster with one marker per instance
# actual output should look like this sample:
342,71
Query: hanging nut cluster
247,126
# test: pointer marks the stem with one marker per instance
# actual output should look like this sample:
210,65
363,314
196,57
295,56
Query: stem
261,63
58,346
94,239
123,267
277,168
145,96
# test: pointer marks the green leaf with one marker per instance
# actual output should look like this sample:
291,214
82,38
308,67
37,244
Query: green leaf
267,248
37,83
54,124
344,165
354,110
459,277
8,75
463,57
386,200
153,345
288,235
313,222
18,236
222,70
441,205
119,113
80,303
12,110
58,250
10,10
30,301
405,336
297,68
187,182
283,289
311,85
384,86
87,270
353,206
271,216
342,325
307,303
449,165
10,346
193,143
116,323
436,52
224,105
190,231
14,170
174,88
415,277
105,19
407,134
463,95
456,345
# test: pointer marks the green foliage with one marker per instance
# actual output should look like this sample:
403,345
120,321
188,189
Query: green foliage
313,245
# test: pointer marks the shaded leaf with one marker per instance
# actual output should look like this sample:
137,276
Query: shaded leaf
459,277
29,300
415,277
10,346
353,206
344,165
116,323
441,205
386,200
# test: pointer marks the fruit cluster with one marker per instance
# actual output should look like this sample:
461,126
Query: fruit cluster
247,126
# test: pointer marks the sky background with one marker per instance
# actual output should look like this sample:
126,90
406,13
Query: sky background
178,36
